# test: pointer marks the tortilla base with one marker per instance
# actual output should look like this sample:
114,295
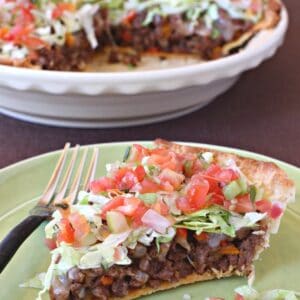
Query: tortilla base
193,278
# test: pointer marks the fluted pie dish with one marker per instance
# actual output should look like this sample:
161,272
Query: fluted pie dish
132,64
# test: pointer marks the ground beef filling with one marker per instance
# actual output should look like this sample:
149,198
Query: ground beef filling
164,35
150,268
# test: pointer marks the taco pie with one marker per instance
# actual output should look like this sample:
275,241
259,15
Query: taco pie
66,35
163,217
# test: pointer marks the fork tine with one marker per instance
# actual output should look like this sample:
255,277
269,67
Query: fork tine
51,186
92,169
65,182
70,199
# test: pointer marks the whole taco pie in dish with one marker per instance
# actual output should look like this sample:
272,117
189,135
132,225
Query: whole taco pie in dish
163,217
66,35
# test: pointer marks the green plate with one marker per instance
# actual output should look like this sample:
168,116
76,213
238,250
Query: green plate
22,183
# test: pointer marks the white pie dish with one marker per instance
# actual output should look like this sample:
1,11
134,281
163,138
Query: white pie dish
128,98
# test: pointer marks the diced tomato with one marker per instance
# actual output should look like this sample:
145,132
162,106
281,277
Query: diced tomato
161,207
201,237
128,19
263,205
80,225
61,8
197,196
216,199
148,186
128,181
126,178
34,43
18,33
226,204
129,206
175,179
276,210
138,214
166,159
244,204
120,173
182,232
101,185
197,192
50,243
137,153
183,204
220,175
140,173
66,232
25,15
212,170
112,204
227,175
238,297
214,186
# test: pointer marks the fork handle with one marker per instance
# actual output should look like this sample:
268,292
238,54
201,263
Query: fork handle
15,238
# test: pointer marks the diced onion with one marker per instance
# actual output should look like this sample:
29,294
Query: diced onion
156,221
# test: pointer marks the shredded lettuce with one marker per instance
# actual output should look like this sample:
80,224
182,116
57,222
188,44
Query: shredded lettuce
164,238
35,282
146,236
206,9
85,198
248,220
104,254
217,220
211,220
250,293
63,259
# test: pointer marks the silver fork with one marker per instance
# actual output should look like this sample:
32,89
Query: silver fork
55,195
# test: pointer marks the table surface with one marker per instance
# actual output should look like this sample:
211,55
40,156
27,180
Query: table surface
261,113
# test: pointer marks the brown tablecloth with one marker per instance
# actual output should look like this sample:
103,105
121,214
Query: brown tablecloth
261,113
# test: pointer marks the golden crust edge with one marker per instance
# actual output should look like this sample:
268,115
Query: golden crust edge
270,21
193,278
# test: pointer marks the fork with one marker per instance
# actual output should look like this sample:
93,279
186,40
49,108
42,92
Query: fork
55,195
